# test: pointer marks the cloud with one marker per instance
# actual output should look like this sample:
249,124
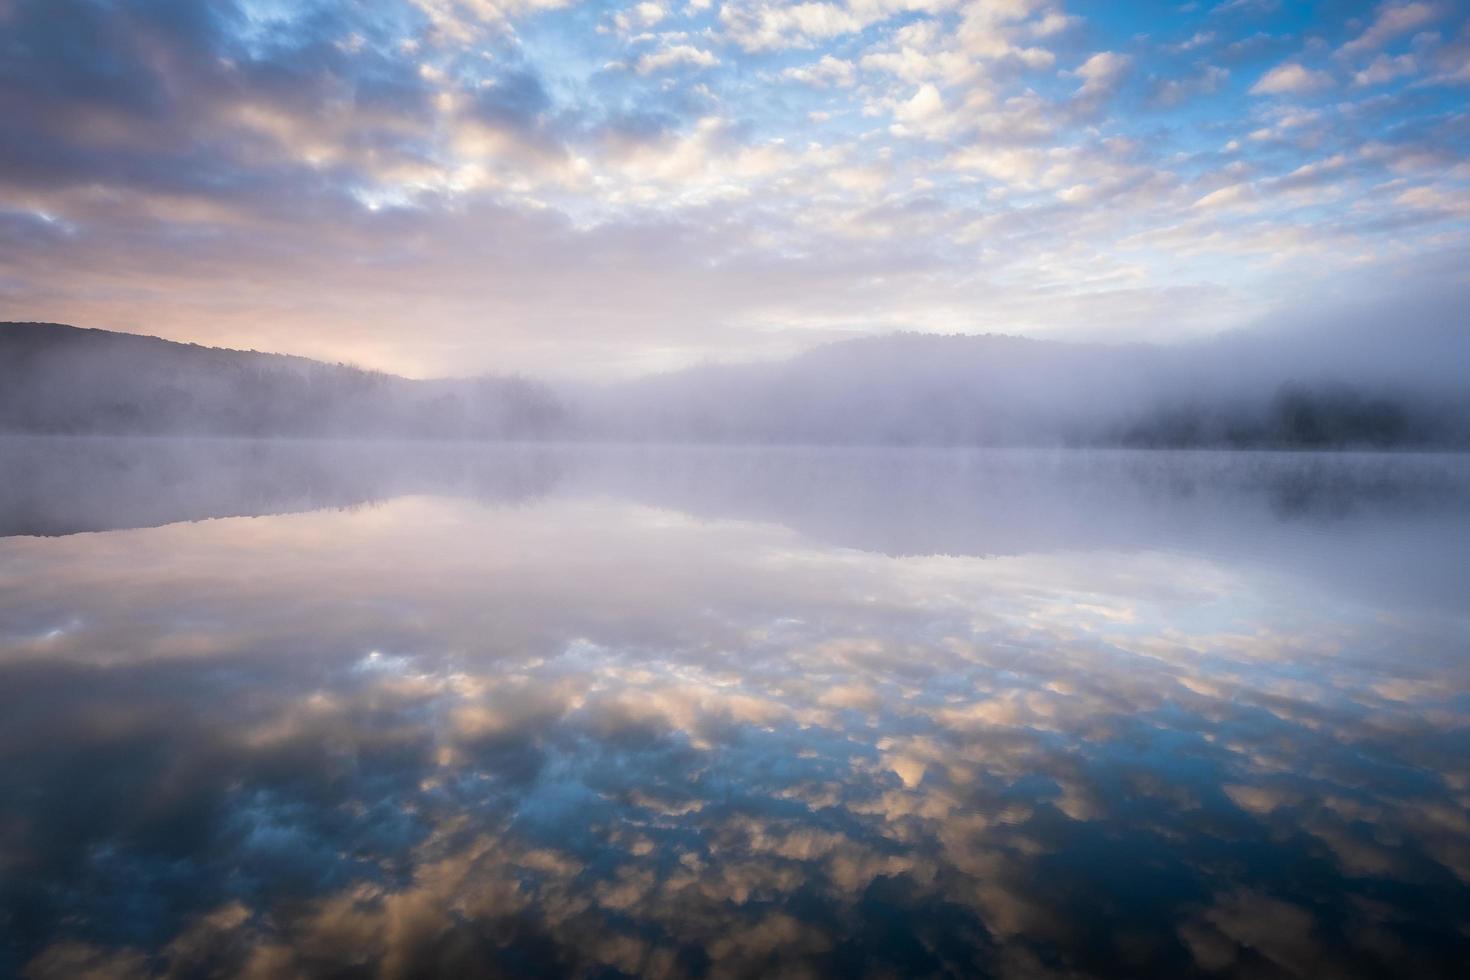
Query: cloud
826,71
1384,69
1445,200
922,109
1392,20
1198,39
1452,61
1292,79
1102,75
1204,81
757,25
639,16
466,22
164,155
675,56
1054,22
1226,196
1245,6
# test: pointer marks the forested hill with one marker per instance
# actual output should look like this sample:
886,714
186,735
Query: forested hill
61,379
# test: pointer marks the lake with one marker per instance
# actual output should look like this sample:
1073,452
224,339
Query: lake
294,709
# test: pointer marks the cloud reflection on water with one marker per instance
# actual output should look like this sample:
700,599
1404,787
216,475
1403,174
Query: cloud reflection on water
582,733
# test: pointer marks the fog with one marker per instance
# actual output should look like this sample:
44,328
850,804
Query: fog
1356,373
1281,508
1390,372
1335,381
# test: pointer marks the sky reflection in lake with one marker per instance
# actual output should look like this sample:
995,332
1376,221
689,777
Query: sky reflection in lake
684,712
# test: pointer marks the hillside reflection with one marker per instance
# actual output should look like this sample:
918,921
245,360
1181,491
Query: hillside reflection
543,712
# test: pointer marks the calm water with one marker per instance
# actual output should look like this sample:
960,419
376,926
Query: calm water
269,711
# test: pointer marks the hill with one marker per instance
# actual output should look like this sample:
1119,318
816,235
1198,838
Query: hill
61,379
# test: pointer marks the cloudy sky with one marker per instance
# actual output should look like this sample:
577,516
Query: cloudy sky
574,189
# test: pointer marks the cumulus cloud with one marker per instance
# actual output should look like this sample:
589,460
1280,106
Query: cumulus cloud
1384,69
1204,81
675,56
1433,198
823,72
923,108
1229,196
1393,19
1102,72
1292,78
639,17
469,21
764,24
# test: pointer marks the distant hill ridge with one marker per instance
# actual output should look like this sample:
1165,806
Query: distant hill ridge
42,333
60,379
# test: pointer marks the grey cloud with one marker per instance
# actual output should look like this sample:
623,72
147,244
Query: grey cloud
166,98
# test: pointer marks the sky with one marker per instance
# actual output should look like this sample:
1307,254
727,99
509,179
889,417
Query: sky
452,187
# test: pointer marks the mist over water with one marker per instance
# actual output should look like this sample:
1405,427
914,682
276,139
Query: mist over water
1379,374
315,708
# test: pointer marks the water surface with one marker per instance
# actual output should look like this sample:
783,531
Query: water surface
313,710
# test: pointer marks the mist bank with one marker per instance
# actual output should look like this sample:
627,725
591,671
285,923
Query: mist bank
1311,387
1394,374
1309,512
919,389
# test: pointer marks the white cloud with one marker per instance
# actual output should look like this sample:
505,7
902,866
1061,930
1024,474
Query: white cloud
466,21
758,25
990,31
1248,6
1173,91
1020,166
826,71
1385,69
1429,198
1054,22
639,16
1197,40
1452,62
1393,20
1102,73
1292,79
675,56
1225,197
925,105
